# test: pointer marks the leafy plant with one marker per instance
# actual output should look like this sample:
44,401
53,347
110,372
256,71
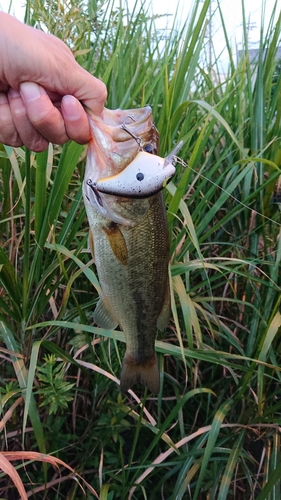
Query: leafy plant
53,389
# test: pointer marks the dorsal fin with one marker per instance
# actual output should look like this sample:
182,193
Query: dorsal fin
165,313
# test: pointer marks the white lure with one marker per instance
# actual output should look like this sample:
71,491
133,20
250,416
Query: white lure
143,177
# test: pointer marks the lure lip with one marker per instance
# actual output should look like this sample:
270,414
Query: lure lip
145,176
171,158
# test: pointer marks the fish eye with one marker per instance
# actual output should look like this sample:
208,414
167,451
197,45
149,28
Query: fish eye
149,149
139,176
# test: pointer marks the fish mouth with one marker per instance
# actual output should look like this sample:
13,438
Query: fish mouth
117,136
138,121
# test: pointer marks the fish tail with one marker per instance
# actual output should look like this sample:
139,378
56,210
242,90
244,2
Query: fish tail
133,371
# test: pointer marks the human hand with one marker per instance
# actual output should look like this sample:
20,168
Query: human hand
41,85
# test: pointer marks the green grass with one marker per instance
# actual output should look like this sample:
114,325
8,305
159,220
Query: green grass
214,430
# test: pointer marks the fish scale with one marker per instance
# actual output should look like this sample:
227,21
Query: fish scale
135,293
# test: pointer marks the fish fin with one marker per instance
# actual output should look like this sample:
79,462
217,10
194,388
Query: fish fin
103,315
117,243
91,243
165,313
147,373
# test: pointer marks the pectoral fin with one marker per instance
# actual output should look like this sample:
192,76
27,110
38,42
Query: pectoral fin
117,243
165,314
103,315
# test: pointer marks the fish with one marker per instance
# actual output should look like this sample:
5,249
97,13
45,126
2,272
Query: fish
129,236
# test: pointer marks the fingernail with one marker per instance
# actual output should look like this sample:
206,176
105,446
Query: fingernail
30,91
71,108
13,93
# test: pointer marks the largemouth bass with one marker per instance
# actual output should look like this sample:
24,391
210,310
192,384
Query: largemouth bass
129,235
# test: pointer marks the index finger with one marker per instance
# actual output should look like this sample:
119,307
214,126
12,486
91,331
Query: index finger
89,90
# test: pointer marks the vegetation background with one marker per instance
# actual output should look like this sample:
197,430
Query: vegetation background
214,430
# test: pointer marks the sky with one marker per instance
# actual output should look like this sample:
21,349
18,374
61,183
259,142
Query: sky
231,9
232,14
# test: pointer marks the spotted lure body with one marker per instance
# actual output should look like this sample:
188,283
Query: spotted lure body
143,177
129,235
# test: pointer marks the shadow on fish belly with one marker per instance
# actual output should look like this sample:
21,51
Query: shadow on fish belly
144,371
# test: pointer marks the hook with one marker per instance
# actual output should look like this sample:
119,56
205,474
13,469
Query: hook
123,127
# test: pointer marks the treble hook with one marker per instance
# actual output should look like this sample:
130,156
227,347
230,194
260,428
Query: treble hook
129,116
123,127
92,185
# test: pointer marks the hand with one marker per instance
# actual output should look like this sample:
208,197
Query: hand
41,85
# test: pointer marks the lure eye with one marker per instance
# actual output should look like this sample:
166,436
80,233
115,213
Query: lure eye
139,176
148,148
